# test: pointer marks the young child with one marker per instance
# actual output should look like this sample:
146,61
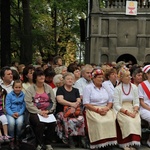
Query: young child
3,119
15,107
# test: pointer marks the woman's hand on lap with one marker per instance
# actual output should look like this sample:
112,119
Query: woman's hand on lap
74,104
102,111
131,114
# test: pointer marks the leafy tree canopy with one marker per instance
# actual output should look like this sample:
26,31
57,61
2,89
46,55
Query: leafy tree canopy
55,26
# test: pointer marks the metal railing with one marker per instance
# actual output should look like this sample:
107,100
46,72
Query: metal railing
122,3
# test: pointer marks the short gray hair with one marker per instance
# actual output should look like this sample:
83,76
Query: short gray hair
87,66
59,69
68,74
57,78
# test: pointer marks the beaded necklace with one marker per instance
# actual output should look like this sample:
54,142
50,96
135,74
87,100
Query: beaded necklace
128,91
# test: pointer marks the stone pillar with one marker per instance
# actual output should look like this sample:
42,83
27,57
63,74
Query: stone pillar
94,24
141,39
112,39
94,57
94,36
95,6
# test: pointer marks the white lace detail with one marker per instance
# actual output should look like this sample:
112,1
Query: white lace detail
103,144
133,143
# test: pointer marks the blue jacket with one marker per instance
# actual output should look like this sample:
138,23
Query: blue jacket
15,103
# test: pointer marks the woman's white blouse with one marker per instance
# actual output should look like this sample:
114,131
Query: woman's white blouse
95,96
142,94
109,87
128,97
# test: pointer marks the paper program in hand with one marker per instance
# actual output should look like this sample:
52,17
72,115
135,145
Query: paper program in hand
49,119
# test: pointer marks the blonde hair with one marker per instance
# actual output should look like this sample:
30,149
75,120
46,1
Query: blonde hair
122,72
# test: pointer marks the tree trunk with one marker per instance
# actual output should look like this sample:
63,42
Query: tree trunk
5,33
26,53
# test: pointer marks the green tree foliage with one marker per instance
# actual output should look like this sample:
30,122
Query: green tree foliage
102,3
68,14
55,26
42,31
16,28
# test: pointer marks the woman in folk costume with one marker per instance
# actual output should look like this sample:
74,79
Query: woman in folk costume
144,96
126,104
99,115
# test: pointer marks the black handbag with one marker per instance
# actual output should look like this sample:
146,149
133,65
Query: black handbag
28,139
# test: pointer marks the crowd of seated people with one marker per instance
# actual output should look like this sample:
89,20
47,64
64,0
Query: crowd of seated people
111,100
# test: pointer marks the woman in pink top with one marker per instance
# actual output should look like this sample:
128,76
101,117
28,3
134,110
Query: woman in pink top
40,100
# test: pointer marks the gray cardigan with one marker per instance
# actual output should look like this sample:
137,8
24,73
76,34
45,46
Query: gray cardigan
118,96
30,94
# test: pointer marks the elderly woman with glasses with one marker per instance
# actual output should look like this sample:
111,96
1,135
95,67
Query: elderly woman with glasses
99,115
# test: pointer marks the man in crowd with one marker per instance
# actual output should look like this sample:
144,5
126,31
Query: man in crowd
85,79
7,79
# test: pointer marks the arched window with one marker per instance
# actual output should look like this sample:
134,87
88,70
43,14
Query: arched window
127,58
